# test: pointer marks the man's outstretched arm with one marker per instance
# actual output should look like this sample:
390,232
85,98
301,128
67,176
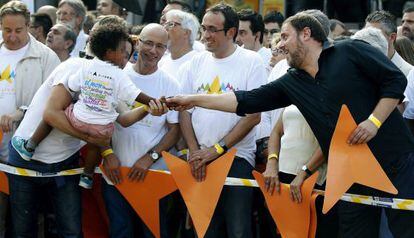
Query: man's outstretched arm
226,102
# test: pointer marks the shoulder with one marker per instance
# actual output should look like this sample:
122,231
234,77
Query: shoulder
167,78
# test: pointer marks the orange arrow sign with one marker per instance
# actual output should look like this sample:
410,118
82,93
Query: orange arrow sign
348,164
292,219
4,183
144,196
200,197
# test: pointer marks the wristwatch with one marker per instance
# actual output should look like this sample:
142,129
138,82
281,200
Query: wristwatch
223,145
307,171
154,155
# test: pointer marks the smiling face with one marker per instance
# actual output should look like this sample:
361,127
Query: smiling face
213,32
152,45
292,46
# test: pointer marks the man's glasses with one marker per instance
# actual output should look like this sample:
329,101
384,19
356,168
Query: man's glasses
211,30
150,44
171,24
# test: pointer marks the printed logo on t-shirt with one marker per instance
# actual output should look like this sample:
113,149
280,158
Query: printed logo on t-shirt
95,92
216,87
7,74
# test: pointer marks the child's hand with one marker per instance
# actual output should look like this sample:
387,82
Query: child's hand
157,108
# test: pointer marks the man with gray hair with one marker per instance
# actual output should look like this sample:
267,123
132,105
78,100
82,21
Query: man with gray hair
182,28
385,21
73,13
61,39
374,37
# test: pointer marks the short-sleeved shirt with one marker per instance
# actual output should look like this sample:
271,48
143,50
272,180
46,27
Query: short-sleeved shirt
205,74
350,72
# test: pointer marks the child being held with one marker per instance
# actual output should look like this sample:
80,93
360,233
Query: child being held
101,85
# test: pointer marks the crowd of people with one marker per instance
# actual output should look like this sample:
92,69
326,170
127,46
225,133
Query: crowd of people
268,86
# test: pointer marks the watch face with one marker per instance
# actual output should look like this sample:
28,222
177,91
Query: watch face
154,155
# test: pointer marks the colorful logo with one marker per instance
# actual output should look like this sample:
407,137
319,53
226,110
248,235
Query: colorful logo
215,87
7,74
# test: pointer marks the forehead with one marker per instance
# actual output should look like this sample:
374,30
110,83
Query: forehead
13,20
244,25
173,18
155,36
58,28
66,7
272,25
409,15
213,19
287,29
105,1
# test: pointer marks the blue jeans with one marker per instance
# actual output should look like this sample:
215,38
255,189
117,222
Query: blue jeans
123,220
233,215
357,220
25,195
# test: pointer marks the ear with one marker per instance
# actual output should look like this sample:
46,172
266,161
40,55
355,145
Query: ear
231,32
79,21
68,43
257,35
306,33
393,37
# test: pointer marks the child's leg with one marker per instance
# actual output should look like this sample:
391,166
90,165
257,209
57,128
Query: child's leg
42,131
92,159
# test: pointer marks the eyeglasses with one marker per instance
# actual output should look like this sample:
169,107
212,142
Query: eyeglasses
150,44
64,14
272,31
171,24
211,30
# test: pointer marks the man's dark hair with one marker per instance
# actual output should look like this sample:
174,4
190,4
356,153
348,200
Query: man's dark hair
184,5
69,35
302,20
408,10
385,19
255,19
15,8
230,16
274,16
42,20
107,37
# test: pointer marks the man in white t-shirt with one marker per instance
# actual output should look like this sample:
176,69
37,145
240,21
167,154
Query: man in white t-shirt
250,34
224,67
182,28
73,13
24,65
139,146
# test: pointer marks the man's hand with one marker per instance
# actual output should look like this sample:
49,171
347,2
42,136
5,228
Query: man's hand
271,177
365,131
7,121
199,160
296,185
179,102
140,168
111,166
157,108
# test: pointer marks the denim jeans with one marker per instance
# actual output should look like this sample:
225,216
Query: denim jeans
233,215
124,221
25,195
358,220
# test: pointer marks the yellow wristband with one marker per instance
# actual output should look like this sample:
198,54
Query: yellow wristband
219,149
375,120
182,152
273,156
146,108
107,152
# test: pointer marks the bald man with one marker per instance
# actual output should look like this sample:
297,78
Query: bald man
48,10
150,136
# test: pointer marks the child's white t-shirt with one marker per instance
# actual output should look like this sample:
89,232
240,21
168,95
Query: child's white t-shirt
101,85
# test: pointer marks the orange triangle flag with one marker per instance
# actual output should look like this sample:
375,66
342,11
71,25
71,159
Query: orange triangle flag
4,183
348,164
292,219
200,197
144,196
